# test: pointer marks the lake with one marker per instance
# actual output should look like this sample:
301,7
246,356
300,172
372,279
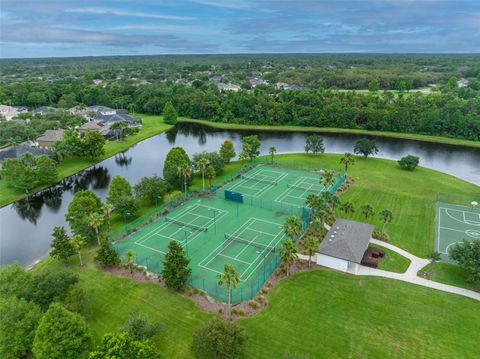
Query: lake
26,226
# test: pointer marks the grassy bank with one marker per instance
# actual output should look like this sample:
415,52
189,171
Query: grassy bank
152,125
392,262
326,314
448,274
408,136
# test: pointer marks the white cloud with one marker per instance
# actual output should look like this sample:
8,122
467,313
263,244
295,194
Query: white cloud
119,12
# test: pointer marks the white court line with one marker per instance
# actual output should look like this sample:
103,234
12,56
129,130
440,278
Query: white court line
236,259
456,219
246,246
242,182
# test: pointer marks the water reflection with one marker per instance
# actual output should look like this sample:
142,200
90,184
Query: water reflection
123,160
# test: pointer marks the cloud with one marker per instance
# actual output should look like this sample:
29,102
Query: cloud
48,35
119,12
229,4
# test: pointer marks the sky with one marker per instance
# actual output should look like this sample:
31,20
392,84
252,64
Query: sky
57,28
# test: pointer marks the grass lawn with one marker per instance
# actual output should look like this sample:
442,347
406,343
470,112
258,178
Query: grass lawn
111,299
392,261
152,125
409,136
448,274
326,314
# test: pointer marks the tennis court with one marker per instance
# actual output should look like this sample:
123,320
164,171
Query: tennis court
213,231
455,223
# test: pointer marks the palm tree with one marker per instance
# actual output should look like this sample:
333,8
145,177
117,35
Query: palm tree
119,127
288,254
230,278
311,246
210,174
367,210
201,165
184,171
386,216
328,179
130,256
107,215
347,207
95,221
272,150
292,227
77,241
347,160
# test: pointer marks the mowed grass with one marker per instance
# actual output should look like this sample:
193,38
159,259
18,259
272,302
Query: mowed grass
326,314
410,195
112,298
152,125
449,274
392,261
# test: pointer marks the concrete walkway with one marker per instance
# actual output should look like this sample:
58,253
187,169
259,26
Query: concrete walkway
410,275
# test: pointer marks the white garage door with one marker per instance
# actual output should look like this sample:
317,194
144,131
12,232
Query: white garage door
331,262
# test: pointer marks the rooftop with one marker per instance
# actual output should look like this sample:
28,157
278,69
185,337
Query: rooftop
347,240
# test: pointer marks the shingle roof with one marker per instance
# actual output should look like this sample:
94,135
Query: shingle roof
347,240
51,135
18,150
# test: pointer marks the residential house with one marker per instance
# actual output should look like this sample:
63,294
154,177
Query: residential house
43,110
18,150
9,112
95,125
116,117
49,138
285,86
227,87
256,80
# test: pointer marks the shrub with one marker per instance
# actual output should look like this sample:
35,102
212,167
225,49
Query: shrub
217,339
106,255
409,162
139,328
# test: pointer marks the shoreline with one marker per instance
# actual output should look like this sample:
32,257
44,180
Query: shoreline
72,166
288,128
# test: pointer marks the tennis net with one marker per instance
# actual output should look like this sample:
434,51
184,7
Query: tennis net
311,188
259,179
232,238
185,224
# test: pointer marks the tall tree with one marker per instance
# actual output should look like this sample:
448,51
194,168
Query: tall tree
253,147
386,216
314,144
129,256
106,254
175,271
151,189
367,210
365,147
185,171
347,160
93,144
120,128
272,150
230,278
122,345
292,227
119,187
288,254
61,247
169,113
17,328
201,165
84,203
95,220
245,154
467,255
311,244
176,157
210,174
61,334
328,179
347,207
227,151
77,241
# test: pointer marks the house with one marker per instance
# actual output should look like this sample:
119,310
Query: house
256,80
18,150
463,83
216,79
9,112
100,126
285,86
103,110
116,117
344,245
49,138
227,87
43,110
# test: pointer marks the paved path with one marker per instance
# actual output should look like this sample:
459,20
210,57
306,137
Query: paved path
410,275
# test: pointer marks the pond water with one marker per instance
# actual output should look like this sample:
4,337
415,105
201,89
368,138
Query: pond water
26,226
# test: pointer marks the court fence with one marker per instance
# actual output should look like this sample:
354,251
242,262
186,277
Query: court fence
456,198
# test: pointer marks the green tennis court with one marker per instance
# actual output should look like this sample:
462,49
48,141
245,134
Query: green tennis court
215,231
455,223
